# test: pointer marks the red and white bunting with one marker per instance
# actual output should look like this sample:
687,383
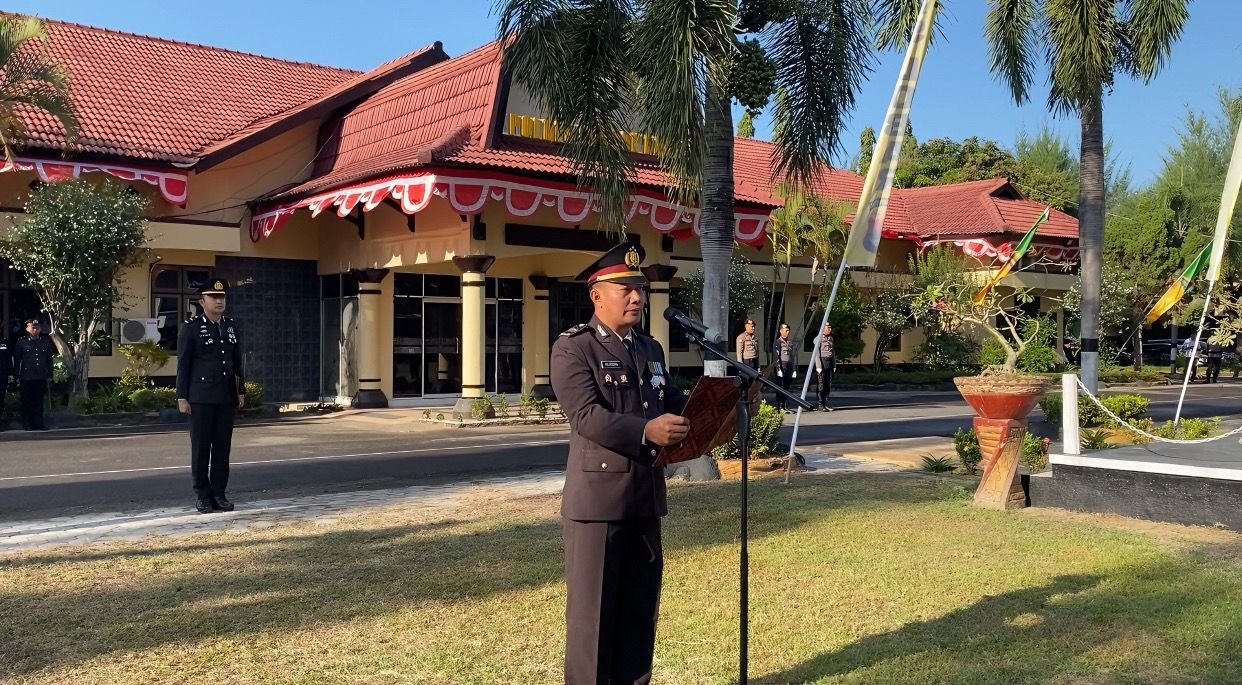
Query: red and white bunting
981,248
469,195
173,185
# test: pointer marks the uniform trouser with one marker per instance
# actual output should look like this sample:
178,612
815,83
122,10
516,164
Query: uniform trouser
613,571
211,438
753,363
32,393
1213,369
784,381
826,369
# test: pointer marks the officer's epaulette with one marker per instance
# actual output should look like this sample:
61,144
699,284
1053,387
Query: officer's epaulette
575,330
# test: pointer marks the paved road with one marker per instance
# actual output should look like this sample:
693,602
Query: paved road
77,472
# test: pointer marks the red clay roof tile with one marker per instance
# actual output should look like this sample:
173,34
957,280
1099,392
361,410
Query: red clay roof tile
150,98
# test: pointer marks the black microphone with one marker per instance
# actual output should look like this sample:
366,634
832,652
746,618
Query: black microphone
676,316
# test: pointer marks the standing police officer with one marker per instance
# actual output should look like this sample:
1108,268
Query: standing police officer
826,365
210,388
786,358
33,357
612,383
748,346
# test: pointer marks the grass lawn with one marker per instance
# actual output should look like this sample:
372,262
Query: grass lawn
855,579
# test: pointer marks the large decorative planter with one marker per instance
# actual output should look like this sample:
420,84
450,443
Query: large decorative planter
1002,402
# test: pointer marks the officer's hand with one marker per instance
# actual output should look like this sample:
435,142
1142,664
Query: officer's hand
183,406
241,401
667,429
779,374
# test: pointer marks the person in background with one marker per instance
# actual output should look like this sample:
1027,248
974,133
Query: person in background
786,358
6,377
748,346
33,358
826,365
1214,355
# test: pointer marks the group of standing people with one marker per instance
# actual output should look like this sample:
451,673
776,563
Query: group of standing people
784,358
1210,354
28,362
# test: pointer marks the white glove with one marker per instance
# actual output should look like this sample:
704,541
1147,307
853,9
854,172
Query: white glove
795,373
780,374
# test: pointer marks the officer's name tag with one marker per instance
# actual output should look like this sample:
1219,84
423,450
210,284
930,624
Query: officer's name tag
610,364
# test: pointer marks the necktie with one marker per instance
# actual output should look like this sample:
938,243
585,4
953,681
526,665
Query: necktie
629,347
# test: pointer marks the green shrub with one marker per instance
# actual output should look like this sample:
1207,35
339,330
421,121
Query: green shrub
427,414
1051,406
1127,374
765,425
440,416
948,351
1034,452
254,395
1037,359
1088,413
167,397
529,404
84,406
480,408
937,464
1095,440
1126,407
501,404
1195,429
966,443
992,353
144,399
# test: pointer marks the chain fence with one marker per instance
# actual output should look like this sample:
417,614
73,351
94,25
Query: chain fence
1157,438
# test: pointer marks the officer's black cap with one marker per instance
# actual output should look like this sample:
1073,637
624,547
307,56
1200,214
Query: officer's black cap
618,265
33,321
215,286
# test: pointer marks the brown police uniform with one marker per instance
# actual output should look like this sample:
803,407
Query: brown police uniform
609,387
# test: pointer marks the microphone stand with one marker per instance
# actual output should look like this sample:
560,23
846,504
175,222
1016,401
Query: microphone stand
745,378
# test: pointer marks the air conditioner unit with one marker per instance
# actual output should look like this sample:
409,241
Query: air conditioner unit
139,330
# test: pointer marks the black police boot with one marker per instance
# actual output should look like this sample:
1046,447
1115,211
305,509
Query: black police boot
223,504
205,505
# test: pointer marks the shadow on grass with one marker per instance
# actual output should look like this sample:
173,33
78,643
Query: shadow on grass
1160,622
235,587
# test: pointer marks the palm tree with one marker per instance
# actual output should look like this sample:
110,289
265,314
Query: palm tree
30,80
1086,44
671,68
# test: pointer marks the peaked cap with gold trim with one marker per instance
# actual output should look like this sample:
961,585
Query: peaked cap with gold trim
214,286
618,265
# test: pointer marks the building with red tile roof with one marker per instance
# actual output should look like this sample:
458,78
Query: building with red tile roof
312,187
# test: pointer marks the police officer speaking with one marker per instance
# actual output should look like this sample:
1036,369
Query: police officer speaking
612,383
210,388
32,357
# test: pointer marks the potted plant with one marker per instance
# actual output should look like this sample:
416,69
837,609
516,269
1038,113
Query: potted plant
1002,399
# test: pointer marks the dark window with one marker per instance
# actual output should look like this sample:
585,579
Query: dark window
677,340
442,286
174,298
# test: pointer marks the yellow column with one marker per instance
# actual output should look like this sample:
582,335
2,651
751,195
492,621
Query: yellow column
369,395
659,276
473,332
540,348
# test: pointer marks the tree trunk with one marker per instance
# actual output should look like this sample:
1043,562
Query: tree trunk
716,244
1138,348
716,219
81,363
1091,235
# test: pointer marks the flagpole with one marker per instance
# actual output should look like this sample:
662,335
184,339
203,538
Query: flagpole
806,380
1190,365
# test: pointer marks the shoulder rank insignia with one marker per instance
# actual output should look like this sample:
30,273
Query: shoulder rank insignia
575,330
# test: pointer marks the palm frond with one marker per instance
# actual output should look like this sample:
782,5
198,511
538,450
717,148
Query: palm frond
1083,41
1151,29
29,78
1012,34
894,21
678,46
822,54
574,59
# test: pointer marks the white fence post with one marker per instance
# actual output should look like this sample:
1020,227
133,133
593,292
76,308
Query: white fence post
1069,414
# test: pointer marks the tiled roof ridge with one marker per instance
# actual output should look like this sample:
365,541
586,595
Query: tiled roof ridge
172,41
993,184
432,75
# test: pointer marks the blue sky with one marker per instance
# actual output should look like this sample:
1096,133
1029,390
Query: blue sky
956,96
